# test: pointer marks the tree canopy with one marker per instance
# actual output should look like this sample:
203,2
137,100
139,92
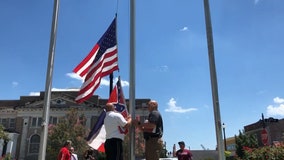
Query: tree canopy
71,127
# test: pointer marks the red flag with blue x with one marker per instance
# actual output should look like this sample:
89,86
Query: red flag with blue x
117,98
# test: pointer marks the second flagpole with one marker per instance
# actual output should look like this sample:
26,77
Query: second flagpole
132,78
48,83
214,84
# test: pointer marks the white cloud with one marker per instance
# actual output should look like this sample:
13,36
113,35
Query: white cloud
124,83
34,94
104,81
65,89
278,100
55,89
75,76
172,107
184,29
276,109
15,84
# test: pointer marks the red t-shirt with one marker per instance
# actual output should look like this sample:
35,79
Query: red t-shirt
184,154
64,154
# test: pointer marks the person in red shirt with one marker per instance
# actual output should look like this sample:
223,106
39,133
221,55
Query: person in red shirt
64,153
182,153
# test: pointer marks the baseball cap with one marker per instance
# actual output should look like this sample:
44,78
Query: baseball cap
181,143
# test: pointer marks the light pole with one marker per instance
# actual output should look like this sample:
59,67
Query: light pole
225,143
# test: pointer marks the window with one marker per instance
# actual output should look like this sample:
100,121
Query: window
82,120
4,122
52,120
34,144
36,121
8,122
12,123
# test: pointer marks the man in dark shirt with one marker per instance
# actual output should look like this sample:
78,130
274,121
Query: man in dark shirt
153,130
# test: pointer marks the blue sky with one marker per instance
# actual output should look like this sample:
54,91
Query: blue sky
172,63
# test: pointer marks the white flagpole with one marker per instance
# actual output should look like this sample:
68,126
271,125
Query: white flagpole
132,78
214,85
48,84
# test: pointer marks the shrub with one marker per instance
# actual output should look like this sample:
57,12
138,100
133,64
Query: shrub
263,153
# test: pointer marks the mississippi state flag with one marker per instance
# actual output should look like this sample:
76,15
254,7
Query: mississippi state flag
97,136
117,98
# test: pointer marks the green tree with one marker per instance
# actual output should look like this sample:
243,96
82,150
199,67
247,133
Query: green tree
244,141
71,127
3,135
6,139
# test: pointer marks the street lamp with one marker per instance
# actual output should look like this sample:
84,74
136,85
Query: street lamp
225,143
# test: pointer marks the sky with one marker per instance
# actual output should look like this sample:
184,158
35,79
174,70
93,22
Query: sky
171,58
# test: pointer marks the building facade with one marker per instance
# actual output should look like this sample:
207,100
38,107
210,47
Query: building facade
274,129
22,119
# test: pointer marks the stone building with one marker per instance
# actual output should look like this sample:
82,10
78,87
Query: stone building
273,127
22,119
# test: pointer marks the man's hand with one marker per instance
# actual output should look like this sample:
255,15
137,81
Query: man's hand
136,123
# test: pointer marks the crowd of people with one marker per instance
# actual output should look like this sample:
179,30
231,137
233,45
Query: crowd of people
152,129
114,122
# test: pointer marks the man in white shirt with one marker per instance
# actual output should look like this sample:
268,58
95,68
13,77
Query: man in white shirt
73,154
114,138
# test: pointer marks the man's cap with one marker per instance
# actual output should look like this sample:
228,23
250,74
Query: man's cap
181,143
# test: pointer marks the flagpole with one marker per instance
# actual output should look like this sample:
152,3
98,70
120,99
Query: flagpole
132,78
110,82
214,85
111,75
48,84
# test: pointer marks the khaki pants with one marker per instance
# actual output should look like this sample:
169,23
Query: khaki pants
152,149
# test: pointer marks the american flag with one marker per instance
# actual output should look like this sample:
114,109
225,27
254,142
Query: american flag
117,98
101,61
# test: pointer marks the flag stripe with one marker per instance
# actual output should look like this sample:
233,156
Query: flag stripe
103,62
98,140
84,66
98,71
100,62
97,136
93,82
97,126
